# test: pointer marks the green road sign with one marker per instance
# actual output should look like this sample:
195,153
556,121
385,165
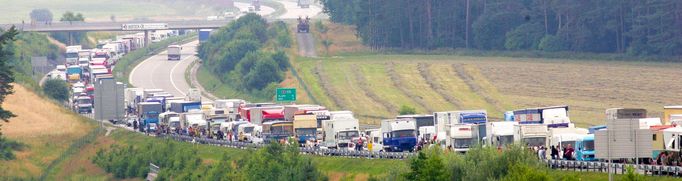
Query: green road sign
286,94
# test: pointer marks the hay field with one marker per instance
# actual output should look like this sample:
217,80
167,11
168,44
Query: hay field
45,127
448,82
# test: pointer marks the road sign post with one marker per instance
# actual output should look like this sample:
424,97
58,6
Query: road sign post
286,95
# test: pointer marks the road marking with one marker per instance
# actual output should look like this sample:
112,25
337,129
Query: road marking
132,72
173,70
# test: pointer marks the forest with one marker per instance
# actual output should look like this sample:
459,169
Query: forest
248,53
632,27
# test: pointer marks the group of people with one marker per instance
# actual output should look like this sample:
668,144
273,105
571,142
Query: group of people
557,152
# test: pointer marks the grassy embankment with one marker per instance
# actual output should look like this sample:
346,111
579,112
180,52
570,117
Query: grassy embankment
49,130
449,82
101,10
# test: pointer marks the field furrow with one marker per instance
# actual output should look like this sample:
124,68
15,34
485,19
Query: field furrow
464,72
362,82
342,81
326,85
435,85
397,82
408,73
380,82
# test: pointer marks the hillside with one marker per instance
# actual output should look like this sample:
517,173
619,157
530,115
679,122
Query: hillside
45,127
374,85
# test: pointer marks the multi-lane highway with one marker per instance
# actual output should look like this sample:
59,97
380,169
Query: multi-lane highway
157,72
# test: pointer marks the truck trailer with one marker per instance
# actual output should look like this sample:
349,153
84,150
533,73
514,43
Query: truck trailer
305,128
553,117
500,134
174,52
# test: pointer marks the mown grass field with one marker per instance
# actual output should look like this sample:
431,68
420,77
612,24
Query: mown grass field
373,84
14,11
493,83
46,128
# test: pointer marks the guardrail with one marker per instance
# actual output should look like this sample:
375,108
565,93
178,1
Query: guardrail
617,168
304,150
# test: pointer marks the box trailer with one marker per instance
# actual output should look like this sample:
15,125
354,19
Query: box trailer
553,116
305,128
340,130
500,134
109,99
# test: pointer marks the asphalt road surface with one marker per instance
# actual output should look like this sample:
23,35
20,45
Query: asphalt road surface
293,11
157,72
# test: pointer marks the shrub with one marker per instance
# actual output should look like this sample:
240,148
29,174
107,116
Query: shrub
56,89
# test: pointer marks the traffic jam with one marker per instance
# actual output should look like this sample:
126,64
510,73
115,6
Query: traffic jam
548,131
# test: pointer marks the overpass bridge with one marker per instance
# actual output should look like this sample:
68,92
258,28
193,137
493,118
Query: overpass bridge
144,26
118,26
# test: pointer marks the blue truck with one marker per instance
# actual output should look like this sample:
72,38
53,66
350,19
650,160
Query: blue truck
585,151
204,34
148,112
399,135
184,106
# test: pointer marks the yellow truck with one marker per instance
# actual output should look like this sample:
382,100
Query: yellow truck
670,113
305,128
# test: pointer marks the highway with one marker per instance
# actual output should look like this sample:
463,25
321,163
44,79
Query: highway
157,72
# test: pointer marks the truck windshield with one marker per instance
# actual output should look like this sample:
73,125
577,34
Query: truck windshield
566,143
346,135
174,124
306,131
83,101
588,145
282,129
403,133
505,140
248,130
71,55
537,141
462,142
152,115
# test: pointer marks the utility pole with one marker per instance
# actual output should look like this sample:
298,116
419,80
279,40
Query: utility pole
466,34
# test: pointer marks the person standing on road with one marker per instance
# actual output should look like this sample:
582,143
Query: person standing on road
554,152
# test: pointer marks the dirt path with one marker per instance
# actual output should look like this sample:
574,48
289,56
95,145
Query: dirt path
397,82
426,74
306,44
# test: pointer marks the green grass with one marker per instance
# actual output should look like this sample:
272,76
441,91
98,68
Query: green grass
212,84
496,84
100,10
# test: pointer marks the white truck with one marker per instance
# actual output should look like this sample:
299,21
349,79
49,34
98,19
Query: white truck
193,118
443,121
341,130
399,135
627,135
565,137
174,52
72,54
427,133
500,134
170,120
463,136
376,139
193,95
532,135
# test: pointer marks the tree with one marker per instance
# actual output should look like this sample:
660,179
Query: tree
56,89
41,15
427,166
6,72
405,110
71,38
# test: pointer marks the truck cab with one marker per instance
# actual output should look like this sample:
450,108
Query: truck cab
74,73
150,120
500,134
585,148
376,139
399,135
532,135
305,128
84,104
341,130
463,137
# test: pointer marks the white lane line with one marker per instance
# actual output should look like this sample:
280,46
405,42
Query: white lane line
171,75
132,73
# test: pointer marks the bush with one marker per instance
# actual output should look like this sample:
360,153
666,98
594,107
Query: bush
405,110
552,43
7,148
56,89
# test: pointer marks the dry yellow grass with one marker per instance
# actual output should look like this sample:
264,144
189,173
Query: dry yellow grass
47,129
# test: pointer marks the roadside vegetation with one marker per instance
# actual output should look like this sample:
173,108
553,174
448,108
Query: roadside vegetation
56,89
248,55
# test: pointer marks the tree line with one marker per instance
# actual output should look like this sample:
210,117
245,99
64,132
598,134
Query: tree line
635,27
248,54
182,162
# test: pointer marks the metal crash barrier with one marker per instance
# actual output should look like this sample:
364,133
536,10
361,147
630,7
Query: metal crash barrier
303,150
618,168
